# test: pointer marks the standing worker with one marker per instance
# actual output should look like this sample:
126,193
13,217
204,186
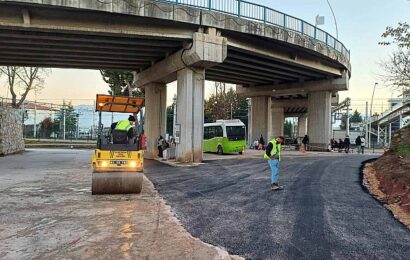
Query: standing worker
273,155
347,144
362,143
261,143
358,143
305,142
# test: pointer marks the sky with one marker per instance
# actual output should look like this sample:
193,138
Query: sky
360,24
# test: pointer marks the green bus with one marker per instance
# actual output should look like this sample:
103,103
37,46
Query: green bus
225,136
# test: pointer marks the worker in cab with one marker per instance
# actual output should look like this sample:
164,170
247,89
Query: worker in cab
273,155
123,131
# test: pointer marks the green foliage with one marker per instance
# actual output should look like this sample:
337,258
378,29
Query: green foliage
120,82
403,149
70,120
170,119
288,129
221,105
400,35
46,127
355,118
397,67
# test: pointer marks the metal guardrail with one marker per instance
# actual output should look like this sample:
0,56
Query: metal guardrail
248,10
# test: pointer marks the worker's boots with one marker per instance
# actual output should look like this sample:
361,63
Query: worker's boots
276,186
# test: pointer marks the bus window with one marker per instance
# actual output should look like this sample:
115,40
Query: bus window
218,131
211,132
235,133
206,133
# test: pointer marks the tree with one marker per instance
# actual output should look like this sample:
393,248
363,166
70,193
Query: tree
226,105
120,83
400,35
397,67
48,126
288,128
70,120
170,119
22,80
355,118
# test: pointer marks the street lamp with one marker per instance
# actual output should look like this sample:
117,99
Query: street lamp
334,17
371,115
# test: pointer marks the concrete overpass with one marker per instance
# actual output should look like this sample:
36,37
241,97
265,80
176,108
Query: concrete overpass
281,62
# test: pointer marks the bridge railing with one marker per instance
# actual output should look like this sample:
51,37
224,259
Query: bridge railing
266,15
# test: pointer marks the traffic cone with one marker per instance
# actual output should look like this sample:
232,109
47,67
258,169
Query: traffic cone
302,148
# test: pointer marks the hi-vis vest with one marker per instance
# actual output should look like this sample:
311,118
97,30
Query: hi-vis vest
276,149
123,125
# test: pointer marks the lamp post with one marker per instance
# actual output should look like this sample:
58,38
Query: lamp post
370,116
334,17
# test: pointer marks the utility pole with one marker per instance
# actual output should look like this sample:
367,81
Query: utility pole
63,123
371,115
231,110
78,119
35,118
93,126
367,125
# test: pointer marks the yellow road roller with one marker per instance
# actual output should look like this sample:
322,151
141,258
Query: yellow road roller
118,159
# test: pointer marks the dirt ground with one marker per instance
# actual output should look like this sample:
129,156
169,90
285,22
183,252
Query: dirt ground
48,212
388,179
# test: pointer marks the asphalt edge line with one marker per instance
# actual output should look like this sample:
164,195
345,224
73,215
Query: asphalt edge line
366,189
222,252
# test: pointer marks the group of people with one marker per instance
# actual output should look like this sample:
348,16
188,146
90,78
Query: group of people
163,145
344,145
259,144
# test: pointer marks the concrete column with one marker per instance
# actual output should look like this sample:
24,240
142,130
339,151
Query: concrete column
319,123
261,119
302,125
277,122
190,114
155,116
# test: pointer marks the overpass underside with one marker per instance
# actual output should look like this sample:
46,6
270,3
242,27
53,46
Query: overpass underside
282,73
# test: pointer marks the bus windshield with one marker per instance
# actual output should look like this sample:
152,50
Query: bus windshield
235,133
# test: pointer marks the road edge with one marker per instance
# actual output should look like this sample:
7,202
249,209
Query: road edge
370,184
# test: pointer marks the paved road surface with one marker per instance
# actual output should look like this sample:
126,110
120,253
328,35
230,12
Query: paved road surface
47,212
322,213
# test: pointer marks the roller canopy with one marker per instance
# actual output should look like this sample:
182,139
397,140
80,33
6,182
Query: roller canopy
119,104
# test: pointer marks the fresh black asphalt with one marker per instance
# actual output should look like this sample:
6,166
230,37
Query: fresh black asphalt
322,213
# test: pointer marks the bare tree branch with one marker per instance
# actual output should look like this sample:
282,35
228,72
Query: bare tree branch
25,79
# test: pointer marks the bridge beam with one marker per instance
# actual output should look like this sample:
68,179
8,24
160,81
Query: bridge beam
298,88
206,50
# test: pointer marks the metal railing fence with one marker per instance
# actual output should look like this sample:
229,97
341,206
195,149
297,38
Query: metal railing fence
266,15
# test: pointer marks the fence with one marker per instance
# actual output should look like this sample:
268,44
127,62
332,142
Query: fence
248,10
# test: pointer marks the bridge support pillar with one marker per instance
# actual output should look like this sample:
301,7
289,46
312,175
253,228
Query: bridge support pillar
277,121
260,119
319,122
190,114
302,125
155,116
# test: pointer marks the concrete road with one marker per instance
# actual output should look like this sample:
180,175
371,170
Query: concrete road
322,213
47,212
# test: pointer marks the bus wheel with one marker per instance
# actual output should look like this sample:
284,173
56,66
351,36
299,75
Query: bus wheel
219,151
